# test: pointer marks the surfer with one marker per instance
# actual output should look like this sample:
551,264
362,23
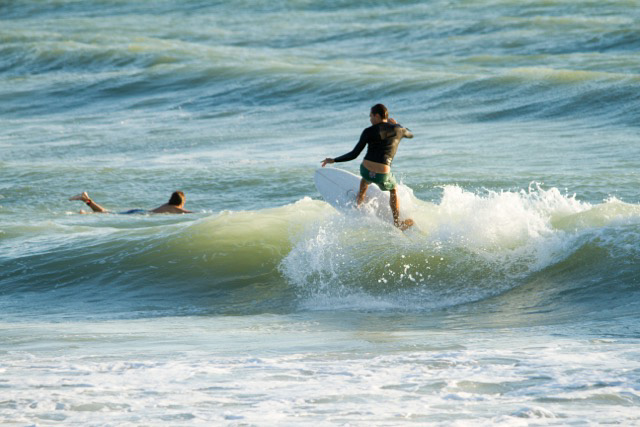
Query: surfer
175,205
382,139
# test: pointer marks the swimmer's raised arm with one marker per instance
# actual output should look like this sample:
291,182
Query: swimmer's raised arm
84,197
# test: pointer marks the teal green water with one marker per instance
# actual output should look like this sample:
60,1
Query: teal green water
515,299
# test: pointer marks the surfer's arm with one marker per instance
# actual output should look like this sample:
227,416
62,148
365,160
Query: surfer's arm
407,133
355,152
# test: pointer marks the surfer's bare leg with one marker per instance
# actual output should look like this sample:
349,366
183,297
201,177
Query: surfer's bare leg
395,206
363,190
84,197
395,210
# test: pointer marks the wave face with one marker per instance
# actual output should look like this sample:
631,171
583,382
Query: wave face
535,250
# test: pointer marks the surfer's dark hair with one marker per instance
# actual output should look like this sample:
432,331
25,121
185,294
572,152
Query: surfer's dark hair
380,110
177,198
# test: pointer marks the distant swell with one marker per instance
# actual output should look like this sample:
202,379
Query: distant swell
90,72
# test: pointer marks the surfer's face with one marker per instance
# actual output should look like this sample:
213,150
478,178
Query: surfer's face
375,118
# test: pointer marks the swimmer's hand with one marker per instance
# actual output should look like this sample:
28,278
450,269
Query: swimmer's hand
327,160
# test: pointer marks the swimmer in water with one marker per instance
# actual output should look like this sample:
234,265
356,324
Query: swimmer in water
382,139
175,205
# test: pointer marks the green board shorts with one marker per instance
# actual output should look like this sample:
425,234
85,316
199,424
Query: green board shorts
386,181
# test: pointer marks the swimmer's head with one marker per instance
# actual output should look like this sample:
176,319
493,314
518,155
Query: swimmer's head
378,114
177,198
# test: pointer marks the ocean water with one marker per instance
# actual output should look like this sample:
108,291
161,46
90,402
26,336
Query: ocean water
515,301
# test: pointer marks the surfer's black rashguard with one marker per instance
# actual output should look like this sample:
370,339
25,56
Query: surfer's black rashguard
382,140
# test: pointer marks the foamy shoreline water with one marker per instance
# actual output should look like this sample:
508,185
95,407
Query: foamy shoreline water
232,371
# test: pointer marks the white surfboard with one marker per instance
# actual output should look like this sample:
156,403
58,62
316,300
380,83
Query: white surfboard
340,189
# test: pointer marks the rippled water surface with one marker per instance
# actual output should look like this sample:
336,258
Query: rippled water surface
514,300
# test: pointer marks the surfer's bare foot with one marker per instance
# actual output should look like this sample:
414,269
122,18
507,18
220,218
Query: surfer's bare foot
82,196
404,225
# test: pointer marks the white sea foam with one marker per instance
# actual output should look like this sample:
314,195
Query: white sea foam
313,370
466,247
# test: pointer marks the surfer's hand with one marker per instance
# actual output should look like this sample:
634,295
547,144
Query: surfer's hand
327,160
392,121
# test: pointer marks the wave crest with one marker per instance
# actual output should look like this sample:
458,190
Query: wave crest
468,247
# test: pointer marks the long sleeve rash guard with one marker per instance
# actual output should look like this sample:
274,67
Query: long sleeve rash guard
382,141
